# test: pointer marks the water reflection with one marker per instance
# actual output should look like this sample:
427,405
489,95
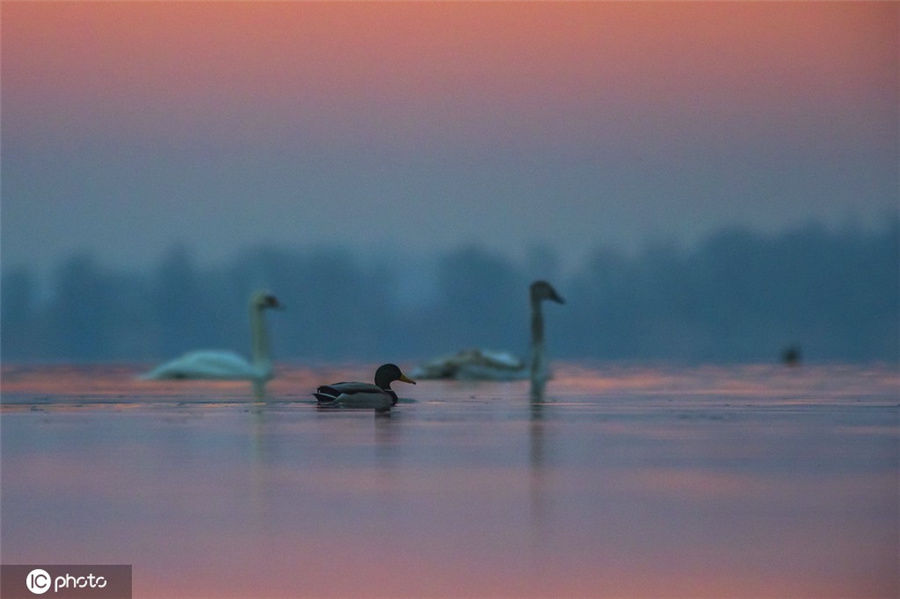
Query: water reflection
614,481
258,437
536,425
536,393
540,487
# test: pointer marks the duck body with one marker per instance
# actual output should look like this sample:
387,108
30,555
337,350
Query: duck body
356,395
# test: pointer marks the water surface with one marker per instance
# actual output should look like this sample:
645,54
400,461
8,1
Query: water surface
738,481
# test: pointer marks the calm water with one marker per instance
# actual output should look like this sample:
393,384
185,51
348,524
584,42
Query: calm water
751,481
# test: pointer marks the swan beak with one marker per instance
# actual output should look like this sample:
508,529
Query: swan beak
406,379
272,302
556,298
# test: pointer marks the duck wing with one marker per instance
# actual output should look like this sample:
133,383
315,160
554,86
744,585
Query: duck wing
356,395
347,388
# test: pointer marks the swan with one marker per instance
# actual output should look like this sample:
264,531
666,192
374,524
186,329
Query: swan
216,364
484,364
379,396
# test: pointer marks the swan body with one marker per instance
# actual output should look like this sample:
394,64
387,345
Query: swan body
474,364
379,396
227,365
484,364
209,364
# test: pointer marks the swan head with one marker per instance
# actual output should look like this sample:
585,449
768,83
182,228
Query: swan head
542,290
263,299
388,373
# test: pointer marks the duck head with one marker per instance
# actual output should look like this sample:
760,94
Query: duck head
388,373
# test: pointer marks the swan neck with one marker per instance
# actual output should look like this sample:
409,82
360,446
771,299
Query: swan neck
259,338
538,366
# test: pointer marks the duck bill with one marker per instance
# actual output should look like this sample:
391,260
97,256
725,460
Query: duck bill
406,379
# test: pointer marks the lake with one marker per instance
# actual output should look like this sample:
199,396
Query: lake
620,481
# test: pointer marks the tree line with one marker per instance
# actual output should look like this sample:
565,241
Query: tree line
738,296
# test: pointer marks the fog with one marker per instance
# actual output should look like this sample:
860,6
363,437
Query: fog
739,295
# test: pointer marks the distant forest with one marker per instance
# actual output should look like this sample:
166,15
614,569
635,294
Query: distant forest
737,296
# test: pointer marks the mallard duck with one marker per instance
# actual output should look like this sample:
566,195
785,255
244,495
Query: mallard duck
222,364
379,396
483,364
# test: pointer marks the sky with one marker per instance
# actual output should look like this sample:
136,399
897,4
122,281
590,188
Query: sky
415,128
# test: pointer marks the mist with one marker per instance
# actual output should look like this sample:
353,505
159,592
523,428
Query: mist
737,296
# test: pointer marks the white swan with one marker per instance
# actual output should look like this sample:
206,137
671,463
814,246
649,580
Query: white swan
484,364
216,364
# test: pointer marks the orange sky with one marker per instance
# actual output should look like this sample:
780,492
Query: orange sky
423,59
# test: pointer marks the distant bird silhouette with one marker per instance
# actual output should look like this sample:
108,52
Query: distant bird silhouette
484,364
791,355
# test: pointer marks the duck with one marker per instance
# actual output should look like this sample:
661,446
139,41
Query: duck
485,364
228,365
379,396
